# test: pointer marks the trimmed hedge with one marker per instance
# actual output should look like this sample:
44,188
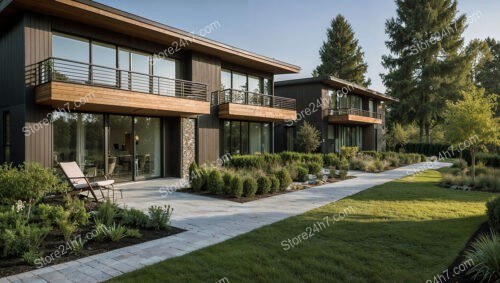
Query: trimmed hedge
249,187
264,185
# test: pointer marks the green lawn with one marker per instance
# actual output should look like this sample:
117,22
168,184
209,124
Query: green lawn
403,231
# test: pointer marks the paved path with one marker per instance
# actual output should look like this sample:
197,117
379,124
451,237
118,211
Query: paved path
208,221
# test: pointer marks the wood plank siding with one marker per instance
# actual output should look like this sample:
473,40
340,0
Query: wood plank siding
255,113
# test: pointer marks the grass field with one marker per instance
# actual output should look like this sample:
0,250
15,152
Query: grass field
402,231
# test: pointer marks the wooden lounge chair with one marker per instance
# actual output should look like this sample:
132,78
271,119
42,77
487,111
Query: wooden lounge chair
80,182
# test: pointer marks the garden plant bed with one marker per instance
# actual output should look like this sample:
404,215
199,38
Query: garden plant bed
462,277
10,266
293,188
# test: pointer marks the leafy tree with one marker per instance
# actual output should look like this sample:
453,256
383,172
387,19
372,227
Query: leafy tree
341,56
396,135
308,138
470,117
426,66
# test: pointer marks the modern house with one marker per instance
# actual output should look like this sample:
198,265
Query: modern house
79,81
346,114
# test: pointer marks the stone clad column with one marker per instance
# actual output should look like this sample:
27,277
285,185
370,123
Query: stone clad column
188,144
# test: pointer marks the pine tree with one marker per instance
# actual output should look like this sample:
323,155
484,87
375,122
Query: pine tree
488,73
341,56
426,66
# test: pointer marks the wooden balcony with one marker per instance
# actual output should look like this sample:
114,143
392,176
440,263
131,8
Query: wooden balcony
245,105
84,87
353,116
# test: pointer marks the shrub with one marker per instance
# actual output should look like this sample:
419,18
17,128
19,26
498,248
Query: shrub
359,164
489,159
275,184
77,210
293,170
77,246
459,163
193,168
308,138
47,213
159,217
236,187
481,169
290,156
485,255
344,164
493,212
102,231
133,233
226,178
348,152
205,173
393,161
116,232
284,179
22,238
303,174
249,187
314,168
134,218
375,154
312,157
215,183
264,185
342,174
331,159
380,165
30,180
487,183
248,161
106,212
197,181
31,256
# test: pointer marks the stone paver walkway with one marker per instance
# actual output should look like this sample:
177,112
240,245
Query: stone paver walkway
208,221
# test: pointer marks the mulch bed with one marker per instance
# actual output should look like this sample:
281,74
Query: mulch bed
257,197
462,277
53,243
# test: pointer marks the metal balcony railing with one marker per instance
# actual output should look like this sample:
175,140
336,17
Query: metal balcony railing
354,111
62,70
252,98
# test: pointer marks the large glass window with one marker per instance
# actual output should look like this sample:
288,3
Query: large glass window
104,55
136,67
255,138
6,136
343,101
72,48
166,68
79,137
246,137
332,96
254,86
356,102
225,79
348,136
239,86
241,83
121,147
148,150
371,105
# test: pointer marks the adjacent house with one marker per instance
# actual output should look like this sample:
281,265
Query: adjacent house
81,81
346,114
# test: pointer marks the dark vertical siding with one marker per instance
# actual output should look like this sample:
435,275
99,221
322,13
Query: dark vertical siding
38,47
172,146
12,86
206,69
305,95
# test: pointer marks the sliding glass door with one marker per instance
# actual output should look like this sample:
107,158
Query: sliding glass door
121,147
147,147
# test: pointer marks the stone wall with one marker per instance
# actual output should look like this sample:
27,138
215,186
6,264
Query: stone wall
188,144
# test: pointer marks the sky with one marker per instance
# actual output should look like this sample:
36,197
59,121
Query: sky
293,31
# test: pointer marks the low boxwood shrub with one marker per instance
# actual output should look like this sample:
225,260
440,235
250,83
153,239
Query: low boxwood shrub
284,178
331,159
312,157
303,174
264,185
275,184
342,174
290,156
314,168
293,170
489,159
249,187
247,161
493,212
227,177
215,183
344,164
236,187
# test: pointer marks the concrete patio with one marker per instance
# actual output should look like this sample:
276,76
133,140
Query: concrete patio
208,221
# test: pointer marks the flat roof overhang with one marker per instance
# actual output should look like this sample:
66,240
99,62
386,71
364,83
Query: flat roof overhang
102,16
339,84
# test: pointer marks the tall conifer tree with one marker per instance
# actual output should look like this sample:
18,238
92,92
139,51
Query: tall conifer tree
341,55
